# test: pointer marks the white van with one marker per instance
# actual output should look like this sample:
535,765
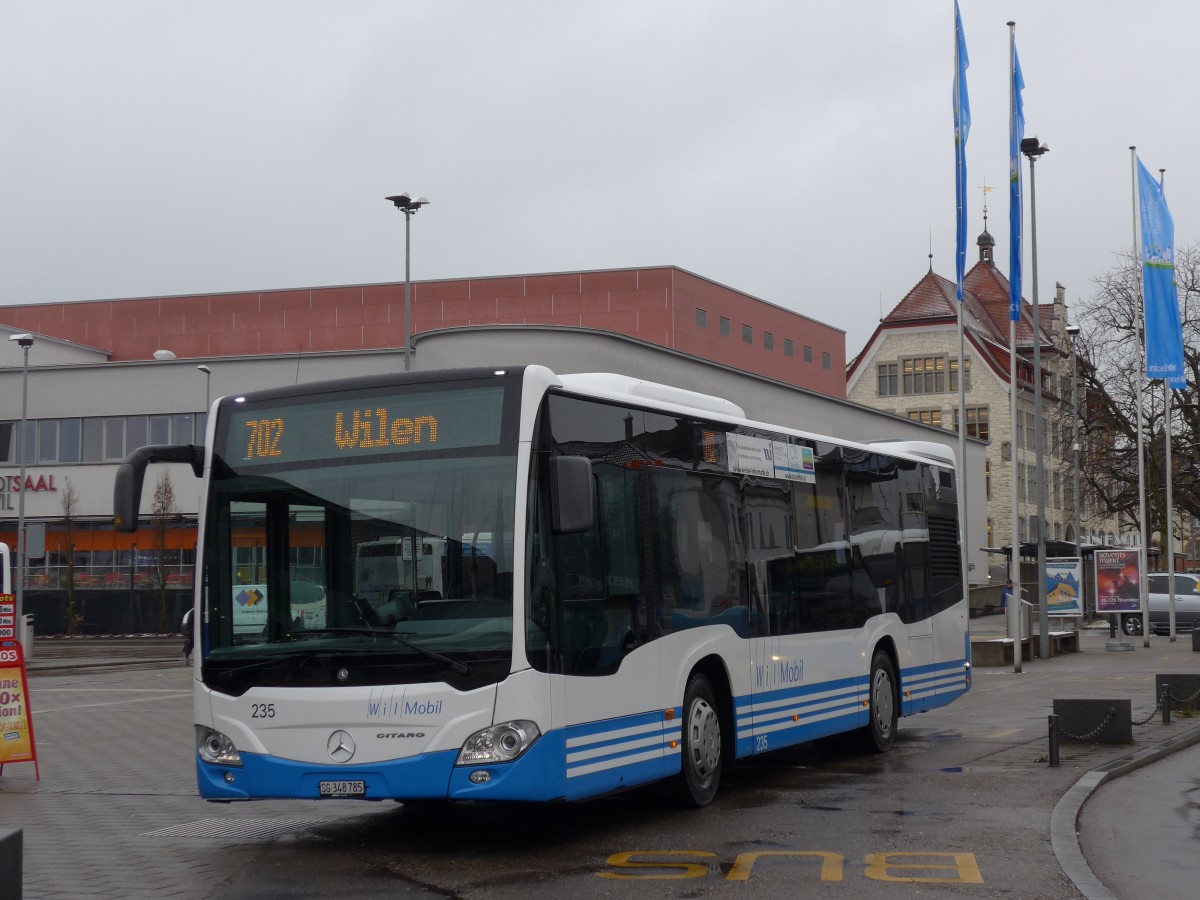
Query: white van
388,565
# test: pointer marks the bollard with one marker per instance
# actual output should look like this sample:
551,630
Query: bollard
1053,721
1166,703
11,851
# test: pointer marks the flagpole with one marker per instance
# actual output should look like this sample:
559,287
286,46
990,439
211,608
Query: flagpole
960,175
1141,369
1014,567
960,151
1169,537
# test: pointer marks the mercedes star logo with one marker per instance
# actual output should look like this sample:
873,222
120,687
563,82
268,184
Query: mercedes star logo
340,746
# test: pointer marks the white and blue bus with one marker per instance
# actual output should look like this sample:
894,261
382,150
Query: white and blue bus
635,583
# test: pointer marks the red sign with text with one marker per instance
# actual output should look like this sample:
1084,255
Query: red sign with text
8,617
16,719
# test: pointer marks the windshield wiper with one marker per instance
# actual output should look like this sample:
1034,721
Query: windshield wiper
298,653
452,664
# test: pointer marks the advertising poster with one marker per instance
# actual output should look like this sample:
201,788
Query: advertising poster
1064,586
8,617
750,455
1118,580
16,722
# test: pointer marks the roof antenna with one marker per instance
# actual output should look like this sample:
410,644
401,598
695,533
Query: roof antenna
930,249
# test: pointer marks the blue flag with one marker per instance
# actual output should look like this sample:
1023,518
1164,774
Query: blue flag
962,127
1015,208
1160,304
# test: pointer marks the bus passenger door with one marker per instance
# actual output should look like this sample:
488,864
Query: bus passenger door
607,687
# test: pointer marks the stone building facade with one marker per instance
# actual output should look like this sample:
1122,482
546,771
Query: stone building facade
910,367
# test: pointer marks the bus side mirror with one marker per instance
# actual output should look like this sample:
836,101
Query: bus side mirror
127,489
571,494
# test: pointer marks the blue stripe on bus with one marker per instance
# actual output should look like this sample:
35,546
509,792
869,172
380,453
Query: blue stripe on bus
605,756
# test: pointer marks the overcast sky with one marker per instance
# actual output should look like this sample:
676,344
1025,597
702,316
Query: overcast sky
799,151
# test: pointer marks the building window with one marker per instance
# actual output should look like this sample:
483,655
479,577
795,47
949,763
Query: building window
808,354
724,327
889,380
977,422
69,435
93,440
97,439
926,416
47,441
768,341
747,334
1021,494
701,318
826,361
788,347
954,375
924,374
1021,529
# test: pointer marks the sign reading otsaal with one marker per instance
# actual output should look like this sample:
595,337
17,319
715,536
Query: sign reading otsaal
11,486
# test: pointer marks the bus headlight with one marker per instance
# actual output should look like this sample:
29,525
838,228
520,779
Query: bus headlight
216,748
499,743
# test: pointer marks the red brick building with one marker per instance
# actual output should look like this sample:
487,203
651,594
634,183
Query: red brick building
665,305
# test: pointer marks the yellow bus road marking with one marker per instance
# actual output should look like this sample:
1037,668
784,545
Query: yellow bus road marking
908,867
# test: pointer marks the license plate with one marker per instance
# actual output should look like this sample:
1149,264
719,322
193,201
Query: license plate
343,788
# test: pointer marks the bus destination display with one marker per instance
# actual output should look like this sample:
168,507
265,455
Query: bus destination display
365,426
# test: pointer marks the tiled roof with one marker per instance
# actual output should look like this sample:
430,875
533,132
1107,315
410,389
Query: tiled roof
933,300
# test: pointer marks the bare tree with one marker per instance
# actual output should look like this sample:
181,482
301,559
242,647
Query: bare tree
161,515
69,498
1112,369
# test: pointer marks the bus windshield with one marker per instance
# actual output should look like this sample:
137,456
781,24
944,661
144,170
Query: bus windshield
400,552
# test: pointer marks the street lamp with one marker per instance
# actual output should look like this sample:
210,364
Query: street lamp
24,341
1073,336
1033,148
207,381
407,205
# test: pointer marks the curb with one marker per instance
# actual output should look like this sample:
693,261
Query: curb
67,666
1064,820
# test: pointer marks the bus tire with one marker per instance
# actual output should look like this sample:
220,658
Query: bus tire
880,733
701,747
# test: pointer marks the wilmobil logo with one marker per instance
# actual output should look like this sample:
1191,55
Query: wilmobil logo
394,707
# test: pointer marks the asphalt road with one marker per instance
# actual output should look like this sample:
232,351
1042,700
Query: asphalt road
961,807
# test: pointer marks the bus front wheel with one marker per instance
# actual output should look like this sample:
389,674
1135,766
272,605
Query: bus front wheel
701,745
880,734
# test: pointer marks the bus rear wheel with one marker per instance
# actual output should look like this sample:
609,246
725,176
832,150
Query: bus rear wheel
701,746
880,733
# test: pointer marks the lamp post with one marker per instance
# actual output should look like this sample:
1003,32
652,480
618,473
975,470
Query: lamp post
407,205
1073,336
207,381
24,341
1033,148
